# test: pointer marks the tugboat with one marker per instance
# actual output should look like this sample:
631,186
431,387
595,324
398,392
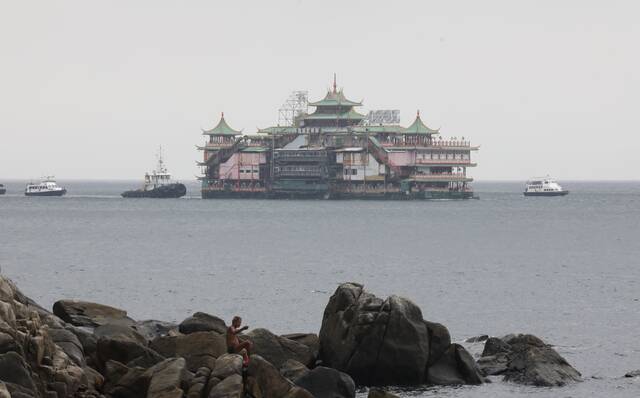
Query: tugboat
47,187
157,184
3,190
544,186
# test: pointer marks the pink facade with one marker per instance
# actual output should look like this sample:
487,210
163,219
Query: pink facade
405,158
243,166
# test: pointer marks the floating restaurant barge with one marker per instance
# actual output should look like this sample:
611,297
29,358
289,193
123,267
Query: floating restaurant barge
335,153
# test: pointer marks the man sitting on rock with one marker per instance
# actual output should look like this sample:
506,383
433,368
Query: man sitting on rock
234,345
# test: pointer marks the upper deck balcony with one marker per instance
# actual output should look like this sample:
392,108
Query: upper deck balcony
300,171
445,162
459,177
450,144
284,155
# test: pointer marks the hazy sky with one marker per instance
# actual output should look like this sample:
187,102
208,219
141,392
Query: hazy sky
90,89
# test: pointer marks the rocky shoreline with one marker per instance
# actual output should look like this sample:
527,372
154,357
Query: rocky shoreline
84,349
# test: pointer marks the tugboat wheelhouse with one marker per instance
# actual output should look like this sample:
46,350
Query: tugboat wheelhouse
333,153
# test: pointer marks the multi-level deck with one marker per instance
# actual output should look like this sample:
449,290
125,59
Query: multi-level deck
333,153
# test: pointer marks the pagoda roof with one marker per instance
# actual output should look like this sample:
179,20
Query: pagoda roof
418,127
350,114
222,128
335,98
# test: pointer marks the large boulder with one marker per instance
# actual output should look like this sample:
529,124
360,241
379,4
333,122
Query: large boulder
375,341
16,373
526,359
70,344
198,349
126,351
227,365
132,384
327,383
230,387
202,322
293,370
455,366
277,349
264,380
439,341
120,332
84,313
167,379
311,340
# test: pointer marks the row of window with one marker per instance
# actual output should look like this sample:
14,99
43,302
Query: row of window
442,156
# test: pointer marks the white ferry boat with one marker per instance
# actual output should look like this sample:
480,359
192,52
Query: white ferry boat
47,187
544,186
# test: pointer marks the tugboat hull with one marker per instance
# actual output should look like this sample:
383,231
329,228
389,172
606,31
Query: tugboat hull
170,191
61,192
550,193
3,190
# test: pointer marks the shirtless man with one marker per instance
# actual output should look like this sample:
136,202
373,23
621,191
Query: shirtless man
234,345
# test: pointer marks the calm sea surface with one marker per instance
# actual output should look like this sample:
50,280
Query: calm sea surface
566,269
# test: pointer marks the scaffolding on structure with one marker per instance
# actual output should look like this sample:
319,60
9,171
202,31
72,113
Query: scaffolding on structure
296,105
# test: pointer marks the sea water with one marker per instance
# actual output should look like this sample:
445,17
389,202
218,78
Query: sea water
566,269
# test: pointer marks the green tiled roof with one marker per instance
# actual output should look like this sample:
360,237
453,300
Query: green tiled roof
335,98
351,114
222,128
418,127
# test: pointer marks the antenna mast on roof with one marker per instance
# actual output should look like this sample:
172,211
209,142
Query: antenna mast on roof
335,86
296,105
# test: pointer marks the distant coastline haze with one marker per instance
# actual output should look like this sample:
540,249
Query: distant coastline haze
90,90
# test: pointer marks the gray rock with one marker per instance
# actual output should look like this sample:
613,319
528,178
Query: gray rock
8,343
454,367
311,340
277,349
203,322
264,380
324,382
298,392
120,332
230,387
227,365
4,392
14,370
133,384
196,390
167,379
150,329
198,349
379,393
526,359
125,351
86,338
439,341
70,344
494,346
84,313
377,342
477,339
293,370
